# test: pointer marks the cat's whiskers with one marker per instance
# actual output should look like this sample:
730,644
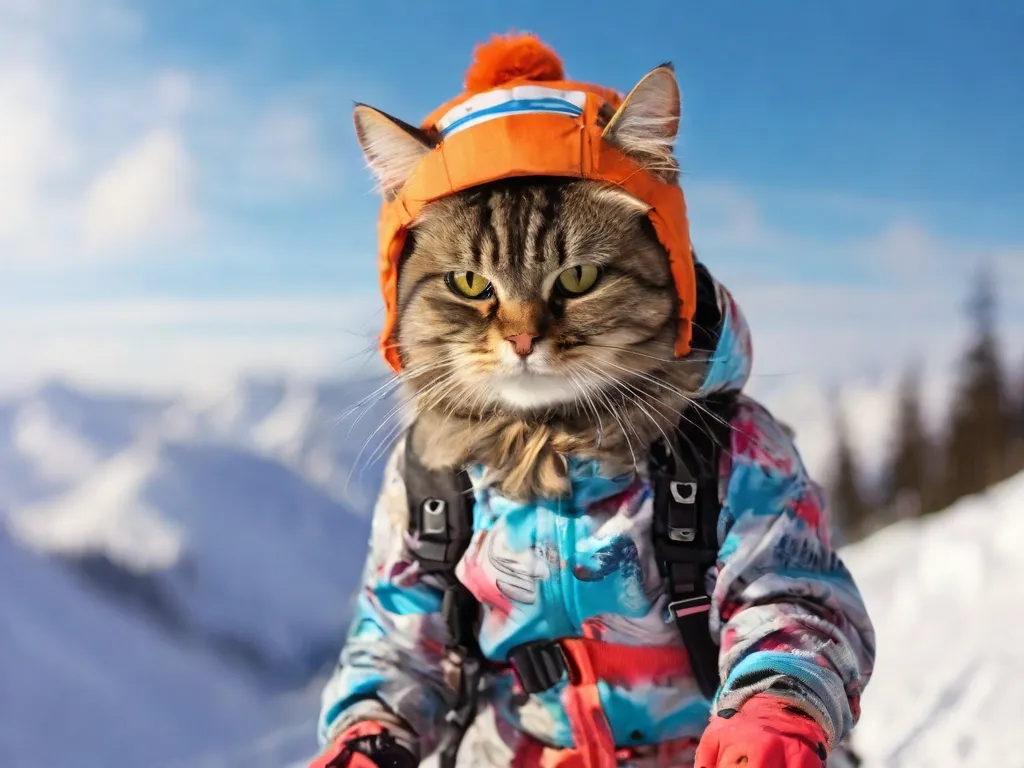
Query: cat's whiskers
625,388
397,411
578,383
381,393
357,464
374,397
689,360
433,395
386,442
611,410
690,399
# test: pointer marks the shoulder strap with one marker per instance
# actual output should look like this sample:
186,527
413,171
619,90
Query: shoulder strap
440,526
684,480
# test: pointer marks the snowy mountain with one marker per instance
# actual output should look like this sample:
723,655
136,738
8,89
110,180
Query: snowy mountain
327,431
54,436
233,547
177,565
232,521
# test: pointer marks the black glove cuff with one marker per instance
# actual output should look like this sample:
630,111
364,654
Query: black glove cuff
381,748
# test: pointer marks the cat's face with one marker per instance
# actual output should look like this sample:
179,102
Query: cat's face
538,295
534,294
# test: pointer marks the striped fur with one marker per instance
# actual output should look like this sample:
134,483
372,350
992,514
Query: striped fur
602,381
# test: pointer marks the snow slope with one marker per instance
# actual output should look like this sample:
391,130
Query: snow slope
946,595
238,548
85,685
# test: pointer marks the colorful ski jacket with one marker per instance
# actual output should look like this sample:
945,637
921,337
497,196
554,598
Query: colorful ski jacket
785,610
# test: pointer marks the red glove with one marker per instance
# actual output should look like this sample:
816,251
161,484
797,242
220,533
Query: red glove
365,745
767,732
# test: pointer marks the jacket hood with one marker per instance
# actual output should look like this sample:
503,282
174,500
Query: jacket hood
729,364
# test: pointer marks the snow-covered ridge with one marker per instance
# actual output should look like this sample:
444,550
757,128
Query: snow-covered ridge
234,537
240,520
106,513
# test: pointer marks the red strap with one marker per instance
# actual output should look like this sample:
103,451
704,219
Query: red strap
530,753
590,729
627,664
590,661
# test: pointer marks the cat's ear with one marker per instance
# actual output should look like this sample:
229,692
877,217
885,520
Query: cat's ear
644,128
392,148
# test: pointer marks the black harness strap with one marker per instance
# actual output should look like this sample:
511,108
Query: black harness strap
441,524
685,527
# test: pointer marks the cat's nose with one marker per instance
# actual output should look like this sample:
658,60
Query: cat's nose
522,343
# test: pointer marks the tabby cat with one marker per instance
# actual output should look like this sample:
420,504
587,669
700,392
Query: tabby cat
537,316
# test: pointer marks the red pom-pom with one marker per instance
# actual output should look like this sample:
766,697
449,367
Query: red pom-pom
512,57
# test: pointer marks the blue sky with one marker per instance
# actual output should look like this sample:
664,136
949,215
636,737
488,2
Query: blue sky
184,197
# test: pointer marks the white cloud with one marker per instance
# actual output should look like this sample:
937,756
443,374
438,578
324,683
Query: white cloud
34,150
143,196
48,147
65,20
87,317
728,217
285,148
907,250
174,91
171,344
105,161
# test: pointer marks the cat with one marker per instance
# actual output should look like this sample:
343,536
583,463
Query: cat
535,321
537,316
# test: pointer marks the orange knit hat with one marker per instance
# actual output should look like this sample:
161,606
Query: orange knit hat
519,116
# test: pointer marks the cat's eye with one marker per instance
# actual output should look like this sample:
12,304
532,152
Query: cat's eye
576,281
469,284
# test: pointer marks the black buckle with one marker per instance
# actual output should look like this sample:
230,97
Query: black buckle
539,665
433,543
434,519
381,748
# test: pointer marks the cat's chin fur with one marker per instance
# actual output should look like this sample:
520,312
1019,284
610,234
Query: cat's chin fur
525,457
532,392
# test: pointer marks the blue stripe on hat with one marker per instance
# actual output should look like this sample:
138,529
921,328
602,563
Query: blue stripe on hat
515,106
